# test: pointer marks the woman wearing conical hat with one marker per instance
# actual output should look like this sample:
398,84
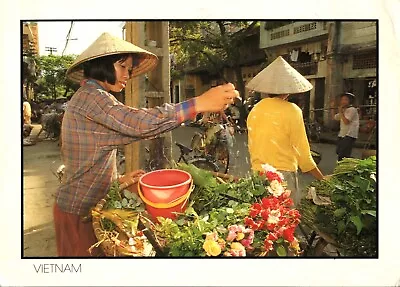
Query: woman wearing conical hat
276,131
95,123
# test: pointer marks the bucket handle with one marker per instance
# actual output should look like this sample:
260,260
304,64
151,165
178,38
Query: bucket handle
164,205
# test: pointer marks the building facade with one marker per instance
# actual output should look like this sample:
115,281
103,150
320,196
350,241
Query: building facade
30,38
196,80
30,47
336,57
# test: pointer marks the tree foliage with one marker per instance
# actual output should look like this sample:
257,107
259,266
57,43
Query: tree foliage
52,81
210,44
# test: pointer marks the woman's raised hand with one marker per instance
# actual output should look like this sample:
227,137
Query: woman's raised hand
216,99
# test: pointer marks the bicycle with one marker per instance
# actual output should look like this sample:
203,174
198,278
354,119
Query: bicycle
313,130
214,143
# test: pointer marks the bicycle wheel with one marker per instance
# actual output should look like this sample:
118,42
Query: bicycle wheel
204,164
195,144
221,156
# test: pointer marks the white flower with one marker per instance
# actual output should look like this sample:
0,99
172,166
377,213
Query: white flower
372,176
273,217
276,188
266,167
280,175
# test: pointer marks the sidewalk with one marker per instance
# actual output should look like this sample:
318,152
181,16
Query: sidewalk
40,186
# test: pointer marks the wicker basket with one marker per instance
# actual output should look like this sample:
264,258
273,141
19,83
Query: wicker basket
108,246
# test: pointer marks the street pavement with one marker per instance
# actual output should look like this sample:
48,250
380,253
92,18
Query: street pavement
40,184
38,196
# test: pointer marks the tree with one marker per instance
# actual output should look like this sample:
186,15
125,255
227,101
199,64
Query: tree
214,44
51,75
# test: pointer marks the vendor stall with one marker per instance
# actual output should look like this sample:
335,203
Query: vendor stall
204,216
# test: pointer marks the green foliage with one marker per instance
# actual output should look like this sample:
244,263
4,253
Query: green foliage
351,218
208,194
123,199
185,235
52,80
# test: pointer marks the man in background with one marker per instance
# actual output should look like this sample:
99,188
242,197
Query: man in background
349,125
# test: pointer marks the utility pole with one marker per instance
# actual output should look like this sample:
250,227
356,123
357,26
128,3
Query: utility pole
152,88
334,78
50,49
134,94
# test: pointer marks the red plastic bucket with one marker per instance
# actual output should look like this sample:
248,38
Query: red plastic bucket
165,192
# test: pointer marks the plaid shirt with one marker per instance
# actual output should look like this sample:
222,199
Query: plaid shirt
94,124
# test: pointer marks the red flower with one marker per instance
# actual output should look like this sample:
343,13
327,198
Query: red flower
286,194
283,222
270,202
273,176
265,214
250,223
254,212
268,245
289,202
294,213
288,234
271,227
272,236
256,206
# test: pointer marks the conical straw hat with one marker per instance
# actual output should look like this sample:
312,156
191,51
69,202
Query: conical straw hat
279,78
106,45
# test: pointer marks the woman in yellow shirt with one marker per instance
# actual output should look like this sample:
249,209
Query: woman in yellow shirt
276,131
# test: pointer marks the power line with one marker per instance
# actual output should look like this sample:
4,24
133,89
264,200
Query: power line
68,37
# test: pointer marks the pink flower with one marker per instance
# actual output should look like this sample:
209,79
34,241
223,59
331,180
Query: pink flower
246,242
231,236
237,249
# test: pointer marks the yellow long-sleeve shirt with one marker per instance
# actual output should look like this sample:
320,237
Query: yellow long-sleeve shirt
277,136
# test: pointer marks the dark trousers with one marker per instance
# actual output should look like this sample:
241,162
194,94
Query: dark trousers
344,147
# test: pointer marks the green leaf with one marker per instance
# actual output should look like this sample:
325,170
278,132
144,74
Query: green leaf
280,240
281,251
127,194
356,220
369,212
180,221
341,226
260,190
339,212
124,202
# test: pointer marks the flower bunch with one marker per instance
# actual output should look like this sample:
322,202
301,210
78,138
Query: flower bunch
213,245
240,238
271,173
275,215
